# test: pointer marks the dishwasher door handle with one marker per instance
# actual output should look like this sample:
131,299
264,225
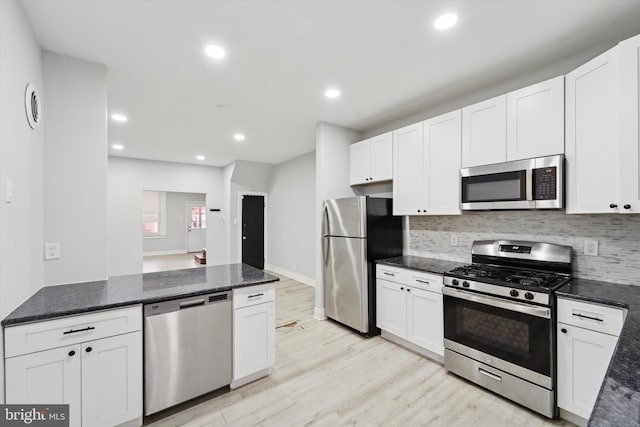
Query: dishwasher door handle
190,304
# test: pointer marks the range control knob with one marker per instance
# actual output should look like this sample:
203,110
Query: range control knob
528,295
455,282
465,284
514,293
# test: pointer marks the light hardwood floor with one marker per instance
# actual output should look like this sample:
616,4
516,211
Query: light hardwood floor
326,375
152,264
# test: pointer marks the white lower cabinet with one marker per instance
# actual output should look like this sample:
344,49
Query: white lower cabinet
100,379
411,308
584,354
254,333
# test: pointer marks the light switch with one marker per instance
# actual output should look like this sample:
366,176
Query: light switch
9,192
51,251
591,247
453,239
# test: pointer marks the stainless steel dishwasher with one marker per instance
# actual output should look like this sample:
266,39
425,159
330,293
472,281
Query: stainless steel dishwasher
188,350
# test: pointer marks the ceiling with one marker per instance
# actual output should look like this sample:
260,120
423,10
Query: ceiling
282,56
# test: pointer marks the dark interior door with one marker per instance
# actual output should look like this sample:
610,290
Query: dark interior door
253,231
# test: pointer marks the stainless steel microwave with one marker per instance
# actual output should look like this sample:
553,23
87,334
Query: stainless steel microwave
522,184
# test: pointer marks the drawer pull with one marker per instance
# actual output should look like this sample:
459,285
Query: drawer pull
388,274
256,295
423,281
490,374
588,317
73,331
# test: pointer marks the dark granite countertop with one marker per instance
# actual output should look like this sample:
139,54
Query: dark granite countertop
430,265
62,300
618,403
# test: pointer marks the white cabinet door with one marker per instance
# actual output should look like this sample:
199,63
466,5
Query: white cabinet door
484,132
425,319
443,139
535,120
629,126
112,380
409,175
381,148
359,162
47,377
583,359
391,307
254,344
592,136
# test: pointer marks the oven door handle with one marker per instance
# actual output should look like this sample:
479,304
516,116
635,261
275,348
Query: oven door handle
498,302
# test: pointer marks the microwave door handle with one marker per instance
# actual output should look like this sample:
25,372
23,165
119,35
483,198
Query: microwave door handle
529,184
498,302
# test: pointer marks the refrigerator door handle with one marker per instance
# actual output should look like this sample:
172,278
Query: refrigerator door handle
325,220
325,250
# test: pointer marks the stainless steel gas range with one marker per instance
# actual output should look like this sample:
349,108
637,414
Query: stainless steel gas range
499,319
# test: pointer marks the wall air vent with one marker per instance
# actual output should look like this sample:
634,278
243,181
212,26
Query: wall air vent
32,105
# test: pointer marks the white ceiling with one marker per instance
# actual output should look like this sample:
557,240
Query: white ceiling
282,55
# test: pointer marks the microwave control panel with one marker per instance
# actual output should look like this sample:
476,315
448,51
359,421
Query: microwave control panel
545,183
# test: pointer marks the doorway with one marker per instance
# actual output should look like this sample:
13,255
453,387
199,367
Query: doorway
252,230
196,226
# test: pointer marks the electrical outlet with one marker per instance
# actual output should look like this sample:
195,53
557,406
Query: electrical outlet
52,251
453,239
591,247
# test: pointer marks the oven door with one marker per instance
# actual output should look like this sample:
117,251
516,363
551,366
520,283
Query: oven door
516,338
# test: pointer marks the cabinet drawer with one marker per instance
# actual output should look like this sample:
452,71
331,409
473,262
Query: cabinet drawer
594,317
392,274
64,331
427,281
252,295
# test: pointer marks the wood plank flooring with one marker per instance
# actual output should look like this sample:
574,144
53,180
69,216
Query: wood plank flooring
326,375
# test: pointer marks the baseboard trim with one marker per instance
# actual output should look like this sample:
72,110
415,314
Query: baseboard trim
292,275
319,313
250,378
157,253
574,418
411,346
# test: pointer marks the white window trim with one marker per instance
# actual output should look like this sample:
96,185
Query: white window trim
241,194
162,232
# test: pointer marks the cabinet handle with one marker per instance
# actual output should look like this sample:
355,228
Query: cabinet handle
73,331
563,330
88,350
389,274
408,290
255,295
402,289
423,281
587,317
72,353
613,205
627,206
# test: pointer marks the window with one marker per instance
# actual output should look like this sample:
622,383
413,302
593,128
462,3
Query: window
153,213
198,217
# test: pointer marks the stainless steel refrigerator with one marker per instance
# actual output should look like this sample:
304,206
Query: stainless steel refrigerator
356,231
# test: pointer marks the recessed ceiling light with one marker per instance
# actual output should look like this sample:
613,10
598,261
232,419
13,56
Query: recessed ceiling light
332,93
215,51
119,117
445,21
200,157
239,137
117,147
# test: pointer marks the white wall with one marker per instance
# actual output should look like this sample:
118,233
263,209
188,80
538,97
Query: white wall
21,151
332,181
175,240
292,201
126,180
75,168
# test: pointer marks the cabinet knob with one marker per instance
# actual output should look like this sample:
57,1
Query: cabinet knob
563,330
627,206
72,353
613,206
408,290
402,289
370,178
88,350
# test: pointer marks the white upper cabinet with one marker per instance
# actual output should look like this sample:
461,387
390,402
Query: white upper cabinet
484,132
592,136
535,120
629,129
370,160
409,175
426,168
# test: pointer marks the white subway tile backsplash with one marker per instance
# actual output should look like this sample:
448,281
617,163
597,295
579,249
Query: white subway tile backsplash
618,238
